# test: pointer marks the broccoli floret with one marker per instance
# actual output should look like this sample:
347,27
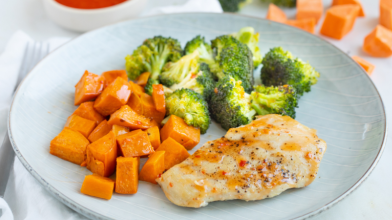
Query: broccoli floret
206,54
148,86
190,106
201,82
230,105
233,5
248,36
280,68
235,59
282,3
274,100
152,55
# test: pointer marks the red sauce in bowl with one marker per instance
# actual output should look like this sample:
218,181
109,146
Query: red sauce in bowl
89,4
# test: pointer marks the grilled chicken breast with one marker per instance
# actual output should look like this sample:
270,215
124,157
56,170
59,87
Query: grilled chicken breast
252,162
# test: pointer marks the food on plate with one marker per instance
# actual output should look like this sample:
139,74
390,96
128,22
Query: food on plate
137,89
351,2
82,125
86,4
307,24
88,88
175,153
205,54
144,105
339,21
135,144
112,75
98,186
309,9
86,110
101,130
180,131
153,168
379,42
158,95
282,3
257,161
385,18
276,14
127,173
248,36
127,117
368,67
119,130
142,79
154,136
233,5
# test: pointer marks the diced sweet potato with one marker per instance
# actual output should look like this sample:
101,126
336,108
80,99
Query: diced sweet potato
184,134
88,88
153,168
175,153
276,14
309,9
119,130
379,42
86,110
127,175
142,79
304,24
339,21
154,137
113,97
385,18
350,2
144,105
112,75
135,144
82,125
127,117
69,145
368,67
102,154
98,186
158,95
101,130
138,90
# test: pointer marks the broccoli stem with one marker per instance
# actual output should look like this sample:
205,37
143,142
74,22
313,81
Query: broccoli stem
159,61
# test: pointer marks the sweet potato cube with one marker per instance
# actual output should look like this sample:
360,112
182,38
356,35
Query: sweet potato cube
368,67
158,95
153,168
86,110
98,186
339,21
154,137
119,130
309,9
350,2
112,75
135,144
101,130
127,117
385,18
304,24
88,88
142,79
113,97
175,153
137,89
69,145
379,42
102,154
144,105
82,125
184,134
127,175
276,14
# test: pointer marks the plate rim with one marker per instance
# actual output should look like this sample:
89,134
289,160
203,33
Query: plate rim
92,214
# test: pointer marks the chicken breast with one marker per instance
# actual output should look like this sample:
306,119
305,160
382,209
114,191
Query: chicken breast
257,161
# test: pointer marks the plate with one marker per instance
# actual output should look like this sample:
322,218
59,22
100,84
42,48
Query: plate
344,107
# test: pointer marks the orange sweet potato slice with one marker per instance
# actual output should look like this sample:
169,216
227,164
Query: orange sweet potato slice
69,145
135,144
339,21
184,134
309,9
379,42
368,67
88,88
158,95
127,175
361,13
175,153
119,130
304,24
142,79
154,136
86,110
276,14
82,125
385,18
98,186
112,75
127,117
137,89
153,168
144,105
101,130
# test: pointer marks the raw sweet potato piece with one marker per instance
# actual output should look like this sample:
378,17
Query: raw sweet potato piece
112,75
98,186
184,134
113,97
138,90
86,110
339,20
127,175
309,9
379,42
154,137
368,67
350,2
385,18
153,168
101,130
276,14
82,125
158,95
175,153
119,130
127,117
135,144
102,154
69,145
88,88
142,79
304,24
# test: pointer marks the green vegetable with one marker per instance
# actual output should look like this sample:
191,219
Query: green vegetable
248,36
148,87
282,3
206,54
233,5
190,106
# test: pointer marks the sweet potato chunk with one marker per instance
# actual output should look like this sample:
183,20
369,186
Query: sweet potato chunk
127,117
135,144
339,21
368,67
112,75
158,95
184,134
88,88
154,137
144,105
138,90
102,154
113,97
98,186
276,14
82,125
119,130
154,167
351,2
86,110
309,9
142,79
379,42
101,130
304,24
385,18
127,175
175,153
69,145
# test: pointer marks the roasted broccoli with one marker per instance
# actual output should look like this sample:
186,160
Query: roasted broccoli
280,68
230,105
206,54
274,100
234,59
148,86
248,36
233,5
190,106
152,55
282,3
